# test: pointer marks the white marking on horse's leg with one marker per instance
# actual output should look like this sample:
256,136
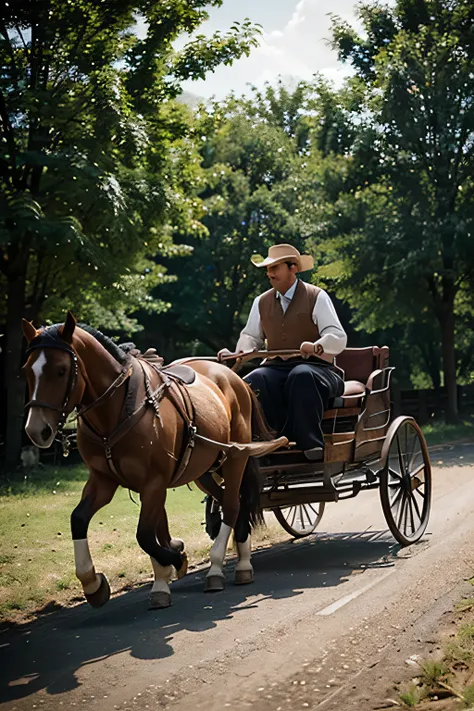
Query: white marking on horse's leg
37,369
162,575
218,551
244,551
85,570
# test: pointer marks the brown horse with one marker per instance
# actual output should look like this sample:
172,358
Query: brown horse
140,427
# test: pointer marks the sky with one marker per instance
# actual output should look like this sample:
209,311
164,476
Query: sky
294,43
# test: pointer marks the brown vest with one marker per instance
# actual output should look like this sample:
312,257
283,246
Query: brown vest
288,330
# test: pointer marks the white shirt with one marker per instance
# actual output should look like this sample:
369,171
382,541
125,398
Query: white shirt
332,336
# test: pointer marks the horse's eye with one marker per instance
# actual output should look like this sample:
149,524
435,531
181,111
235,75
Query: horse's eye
61,372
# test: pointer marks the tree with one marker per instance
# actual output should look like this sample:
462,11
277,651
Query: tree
253,160
88,176
404,248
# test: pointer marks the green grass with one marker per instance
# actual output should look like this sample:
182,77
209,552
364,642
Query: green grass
36,551
449,672
438,432
412,695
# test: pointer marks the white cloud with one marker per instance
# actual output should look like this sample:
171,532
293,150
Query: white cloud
299,49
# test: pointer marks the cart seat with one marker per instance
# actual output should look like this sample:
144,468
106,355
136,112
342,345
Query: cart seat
354,391
360,366
354,387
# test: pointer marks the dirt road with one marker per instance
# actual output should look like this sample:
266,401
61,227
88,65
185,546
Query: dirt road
328,624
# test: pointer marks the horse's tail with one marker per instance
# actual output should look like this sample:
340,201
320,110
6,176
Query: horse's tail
251,513
260,427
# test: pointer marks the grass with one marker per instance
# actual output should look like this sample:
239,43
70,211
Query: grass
450,676
36,552
438,432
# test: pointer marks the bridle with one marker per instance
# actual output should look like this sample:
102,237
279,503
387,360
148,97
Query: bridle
45,340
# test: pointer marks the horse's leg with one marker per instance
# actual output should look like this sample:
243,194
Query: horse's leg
214,499
209,485
160,595
243,569
153,509
97,492
176,544
233,470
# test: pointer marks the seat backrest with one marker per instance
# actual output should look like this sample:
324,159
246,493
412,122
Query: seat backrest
359,363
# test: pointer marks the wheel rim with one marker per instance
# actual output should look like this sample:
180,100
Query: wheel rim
408,483
302,519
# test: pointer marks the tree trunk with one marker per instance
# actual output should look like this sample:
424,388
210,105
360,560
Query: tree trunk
14,383
449,362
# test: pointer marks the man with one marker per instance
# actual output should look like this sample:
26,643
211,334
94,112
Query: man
294,315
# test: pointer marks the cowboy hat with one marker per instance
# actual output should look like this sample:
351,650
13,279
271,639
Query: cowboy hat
286,253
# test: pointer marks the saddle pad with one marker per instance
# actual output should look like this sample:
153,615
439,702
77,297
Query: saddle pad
183,373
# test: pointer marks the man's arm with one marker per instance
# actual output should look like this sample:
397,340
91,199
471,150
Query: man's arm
333,338
252,336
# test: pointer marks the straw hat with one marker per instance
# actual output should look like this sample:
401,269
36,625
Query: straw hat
286,253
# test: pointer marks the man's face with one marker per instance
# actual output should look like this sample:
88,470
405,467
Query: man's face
281,276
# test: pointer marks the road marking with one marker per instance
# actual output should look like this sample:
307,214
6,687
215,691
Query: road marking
333,607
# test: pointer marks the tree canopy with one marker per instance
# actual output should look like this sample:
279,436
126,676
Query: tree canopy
401,247
88,166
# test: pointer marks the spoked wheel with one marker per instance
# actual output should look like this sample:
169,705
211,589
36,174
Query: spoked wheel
300,520
405,481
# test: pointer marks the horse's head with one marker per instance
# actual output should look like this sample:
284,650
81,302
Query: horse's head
54,382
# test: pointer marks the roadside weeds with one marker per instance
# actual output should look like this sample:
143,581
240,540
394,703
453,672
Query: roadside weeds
445,680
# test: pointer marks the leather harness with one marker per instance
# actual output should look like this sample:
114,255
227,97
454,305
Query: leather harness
133,373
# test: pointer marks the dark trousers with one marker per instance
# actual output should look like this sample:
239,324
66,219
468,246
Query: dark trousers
294,396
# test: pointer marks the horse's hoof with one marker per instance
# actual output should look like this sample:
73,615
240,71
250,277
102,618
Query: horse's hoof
177,544
214,583
184,568
159,600
243,577
101,595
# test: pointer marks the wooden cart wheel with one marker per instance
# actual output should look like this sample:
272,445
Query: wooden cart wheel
300,520
405,481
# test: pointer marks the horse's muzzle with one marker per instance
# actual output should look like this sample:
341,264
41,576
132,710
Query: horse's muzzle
38,428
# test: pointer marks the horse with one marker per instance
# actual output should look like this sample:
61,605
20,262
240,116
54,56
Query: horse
147,427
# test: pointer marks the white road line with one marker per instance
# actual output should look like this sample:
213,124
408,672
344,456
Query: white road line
333,607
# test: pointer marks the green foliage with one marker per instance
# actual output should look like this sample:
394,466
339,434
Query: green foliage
434,671
87,153
399,244
91,173
257,170
468,695
412,696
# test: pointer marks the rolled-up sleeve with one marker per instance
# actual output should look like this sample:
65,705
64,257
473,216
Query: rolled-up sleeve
332,338
252,336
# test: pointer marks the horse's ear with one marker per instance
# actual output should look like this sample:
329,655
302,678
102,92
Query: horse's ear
68,328
29,330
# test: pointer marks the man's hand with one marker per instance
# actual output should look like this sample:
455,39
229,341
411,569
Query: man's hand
223,352
308,349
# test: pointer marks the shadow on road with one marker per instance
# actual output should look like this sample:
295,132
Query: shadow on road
46,653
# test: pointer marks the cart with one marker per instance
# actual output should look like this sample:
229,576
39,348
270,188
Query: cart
364,448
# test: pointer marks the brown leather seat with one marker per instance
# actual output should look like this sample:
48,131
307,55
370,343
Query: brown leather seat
360,366
353,387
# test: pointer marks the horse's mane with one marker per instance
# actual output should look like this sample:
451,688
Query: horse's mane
111,347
